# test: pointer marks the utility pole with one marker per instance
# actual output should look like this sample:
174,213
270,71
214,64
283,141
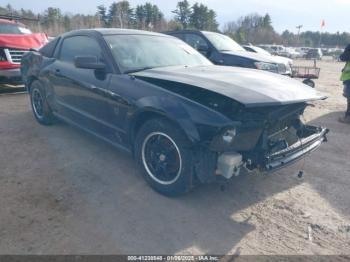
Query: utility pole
299,27
322,25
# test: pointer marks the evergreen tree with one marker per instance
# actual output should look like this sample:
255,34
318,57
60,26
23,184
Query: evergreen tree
102,13
203,18
183,13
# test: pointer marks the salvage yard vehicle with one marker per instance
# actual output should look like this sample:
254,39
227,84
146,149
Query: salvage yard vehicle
15,40
222,50
314,53
280,59
183,119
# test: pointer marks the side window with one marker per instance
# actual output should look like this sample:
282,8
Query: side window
196,41
180,36
79,46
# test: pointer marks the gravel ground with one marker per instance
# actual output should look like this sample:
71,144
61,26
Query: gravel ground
65,192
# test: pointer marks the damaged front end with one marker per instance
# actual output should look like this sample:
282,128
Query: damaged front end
268,138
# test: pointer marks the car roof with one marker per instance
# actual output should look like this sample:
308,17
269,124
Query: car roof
111,31
11,22
191,31
182,31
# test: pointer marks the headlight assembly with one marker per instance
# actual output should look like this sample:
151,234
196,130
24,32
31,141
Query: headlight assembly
235,138
223,140
266,66
229,135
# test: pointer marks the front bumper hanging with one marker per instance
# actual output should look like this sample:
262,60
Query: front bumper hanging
296,151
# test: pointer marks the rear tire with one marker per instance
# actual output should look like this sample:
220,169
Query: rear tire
309,82
163,152
41,109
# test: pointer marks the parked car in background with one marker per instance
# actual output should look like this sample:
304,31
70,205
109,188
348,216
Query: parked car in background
15,40
281,50
292,53
302,51
276,49
279,59
335,53
222,50
314,53
184,119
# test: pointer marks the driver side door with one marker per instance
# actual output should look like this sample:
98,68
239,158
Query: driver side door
79,92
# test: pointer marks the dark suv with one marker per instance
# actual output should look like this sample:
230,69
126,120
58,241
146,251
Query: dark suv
314,53
222,50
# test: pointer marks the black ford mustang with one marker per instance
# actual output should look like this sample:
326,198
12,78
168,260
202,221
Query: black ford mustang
182,118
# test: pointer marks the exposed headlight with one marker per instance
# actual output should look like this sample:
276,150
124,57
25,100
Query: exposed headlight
266,66
224,140
237,138
229,135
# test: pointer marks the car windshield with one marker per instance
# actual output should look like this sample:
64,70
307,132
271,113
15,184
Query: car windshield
222,42
13,29
138,52
261,51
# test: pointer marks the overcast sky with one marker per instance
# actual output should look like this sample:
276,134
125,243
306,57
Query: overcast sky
286,14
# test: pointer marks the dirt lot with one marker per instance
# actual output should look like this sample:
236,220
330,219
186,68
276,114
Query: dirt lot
65,192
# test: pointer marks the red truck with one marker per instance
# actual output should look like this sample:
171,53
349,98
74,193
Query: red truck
15,40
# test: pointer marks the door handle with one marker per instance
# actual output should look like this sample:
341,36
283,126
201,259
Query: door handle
92,87
114,95
120,99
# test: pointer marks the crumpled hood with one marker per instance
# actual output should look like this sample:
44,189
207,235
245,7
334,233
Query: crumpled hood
247,86
23,41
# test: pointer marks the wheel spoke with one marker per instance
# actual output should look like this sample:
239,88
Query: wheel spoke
161,158
37,103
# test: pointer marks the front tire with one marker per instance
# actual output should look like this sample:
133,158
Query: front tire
41,109
163,152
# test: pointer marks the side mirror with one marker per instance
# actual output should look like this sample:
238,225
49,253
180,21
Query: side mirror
88,62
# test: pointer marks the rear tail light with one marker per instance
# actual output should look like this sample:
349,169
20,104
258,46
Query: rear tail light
2,55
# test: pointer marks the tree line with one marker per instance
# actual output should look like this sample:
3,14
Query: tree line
252,28
122,15
257,29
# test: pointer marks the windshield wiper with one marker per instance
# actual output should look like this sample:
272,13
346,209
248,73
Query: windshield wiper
137,70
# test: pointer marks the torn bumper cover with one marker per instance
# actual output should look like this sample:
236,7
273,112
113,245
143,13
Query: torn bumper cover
230,163
296,151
